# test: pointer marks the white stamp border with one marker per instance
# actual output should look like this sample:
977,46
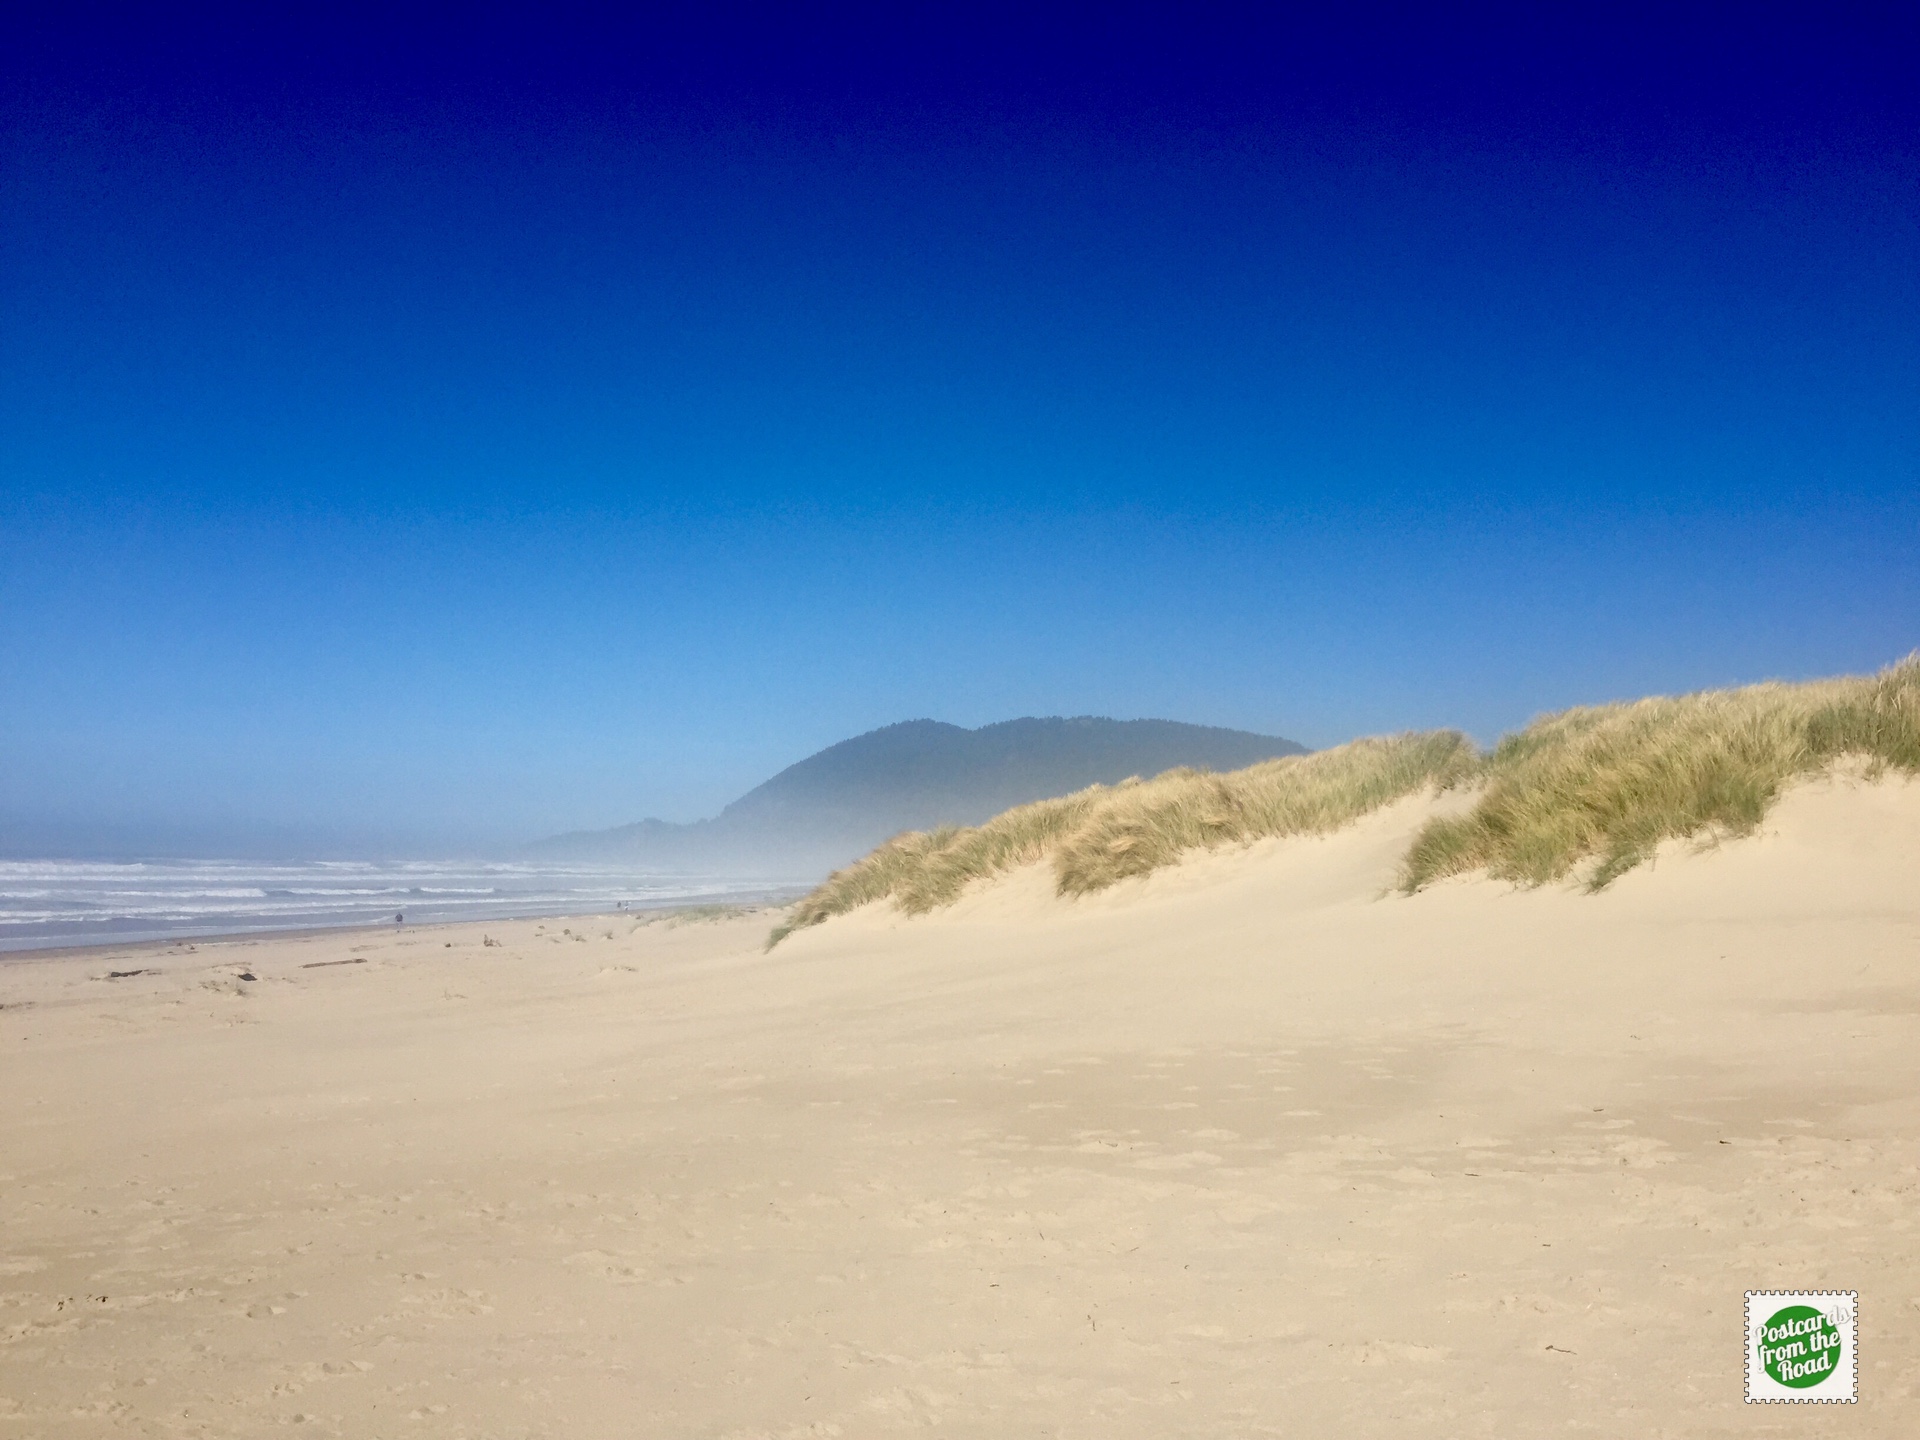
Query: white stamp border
1746,1359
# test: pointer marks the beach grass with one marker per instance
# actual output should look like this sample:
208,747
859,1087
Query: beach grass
1597,789
1592,792
1099,836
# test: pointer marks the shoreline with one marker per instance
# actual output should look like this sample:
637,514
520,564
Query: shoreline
771,899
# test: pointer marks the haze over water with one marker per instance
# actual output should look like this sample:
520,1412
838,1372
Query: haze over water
46,903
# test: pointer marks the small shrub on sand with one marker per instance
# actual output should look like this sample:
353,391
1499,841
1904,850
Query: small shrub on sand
1608,783
1105,834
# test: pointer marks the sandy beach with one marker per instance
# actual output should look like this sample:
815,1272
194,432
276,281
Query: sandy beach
1248,1147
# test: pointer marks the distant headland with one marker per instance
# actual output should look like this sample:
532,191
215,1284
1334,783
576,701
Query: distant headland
837,804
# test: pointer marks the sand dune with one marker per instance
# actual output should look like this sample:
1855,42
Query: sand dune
1245,1147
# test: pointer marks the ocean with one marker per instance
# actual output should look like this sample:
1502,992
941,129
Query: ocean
45,903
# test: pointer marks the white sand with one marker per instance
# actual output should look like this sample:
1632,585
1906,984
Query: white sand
1243,1149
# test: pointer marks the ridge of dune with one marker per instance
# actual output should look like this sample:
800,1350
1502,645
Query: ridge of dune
1589,793
1854,829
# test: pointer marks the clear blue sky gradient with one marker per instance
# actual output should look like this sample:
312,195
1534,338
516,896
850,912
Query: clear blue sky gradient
419,440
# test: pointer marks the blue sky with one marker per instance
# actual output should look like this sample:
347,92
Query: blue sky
413,440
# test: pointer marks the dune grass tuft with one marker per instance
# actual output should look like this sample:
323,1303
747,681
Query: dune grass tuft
1607,784
1105,834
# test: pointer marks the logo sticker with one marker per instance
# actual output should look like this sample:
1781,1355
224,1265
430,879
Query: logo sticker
1801,1347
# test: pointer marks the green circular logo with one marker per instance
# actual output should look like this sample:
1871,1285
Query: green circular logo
1799,1346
